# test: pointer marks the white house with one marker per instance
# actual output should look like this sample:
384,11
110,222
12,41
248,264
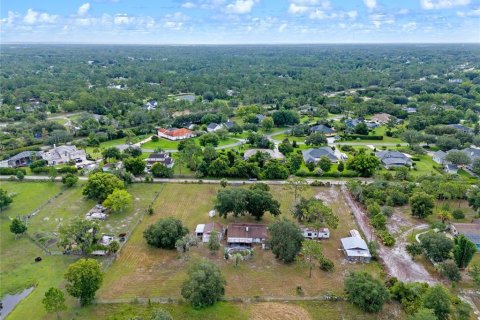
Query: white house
209,228
212,127
322,233
63,154
175,134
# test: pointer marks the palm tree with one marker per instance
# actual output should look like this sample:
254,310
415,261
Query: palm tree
444,216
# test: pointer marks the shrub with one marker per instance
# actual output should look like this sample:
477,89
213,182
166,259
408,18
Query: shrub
449,270
387,238
11,171
458,214
366,292
326,264
164,233
68,169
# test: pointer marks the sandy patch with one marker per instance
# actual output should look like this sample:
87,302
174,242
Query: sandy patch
278,311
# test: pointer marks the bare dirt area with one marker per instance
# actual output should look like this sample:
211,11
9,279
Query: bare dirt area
397,261
278,311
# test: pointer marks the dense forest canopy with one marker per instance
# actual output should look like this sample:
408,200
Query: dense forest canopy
116,81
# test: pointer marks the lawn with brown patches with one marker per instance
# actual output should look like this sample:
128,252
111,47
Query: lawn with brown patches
143,271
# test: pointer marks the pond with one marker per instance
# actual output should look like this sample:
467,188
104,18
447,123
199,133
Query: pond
9,301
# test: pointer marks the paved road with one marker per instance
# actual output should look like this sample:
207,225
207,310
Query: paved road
192,180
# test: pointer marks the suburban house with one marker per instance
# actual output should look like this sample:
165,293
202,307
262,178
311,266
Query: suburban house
21,159
439,157
352,123
209,228
260,118
381,118
160,157
212,127
461,128
175,134
246,234
469,230
309,233
150,105
109,167
228,125
63,154
392,159
450,168
251,152
472,153
355,248
323,129
314,155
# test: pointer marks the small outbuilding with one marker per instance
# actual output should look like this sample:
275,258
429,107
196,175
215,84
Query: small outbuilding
199,230
209,228
314,234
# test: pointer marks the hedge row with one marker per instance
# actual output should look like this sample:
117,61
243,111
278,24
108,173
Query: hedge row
11,171
361,137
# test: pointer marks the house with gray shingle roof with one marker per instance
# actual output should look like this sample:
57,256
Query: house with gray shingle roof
212,127
392,159
461,128
323,129
439,157
21,159
314,155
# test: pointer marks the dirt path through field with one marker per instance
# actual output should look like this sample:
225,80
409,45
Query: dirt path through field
397,261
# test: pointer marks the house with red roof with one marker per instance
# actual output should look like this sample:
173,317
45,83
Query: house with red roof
175,134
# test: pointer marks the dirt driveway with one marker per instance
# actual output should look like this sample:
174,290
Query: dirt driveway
397,261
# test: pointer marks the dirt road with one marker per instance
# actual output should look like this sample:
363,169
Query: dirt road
397,261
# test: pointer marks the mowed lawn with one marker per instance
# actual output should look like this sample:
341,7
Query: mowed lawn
144,271
18,269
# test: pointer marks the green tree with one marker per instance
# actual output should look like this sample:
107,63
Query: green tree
69,179
421,204
474,272
285,240
118,200
285,147
100,185
78,232
325,164
361,128
5,199
312,253
213,241
310,165
267,124
476,166
17,227
113,247
297,185
340,167
134,165
275,170
458,157
164,233
414,249
294,162
366,292
364,163
437,299
54,301
436,245
112,153
450,270
463,251
211,139
412,137
20,175
205,284
84,278
161,171
316,139
315,213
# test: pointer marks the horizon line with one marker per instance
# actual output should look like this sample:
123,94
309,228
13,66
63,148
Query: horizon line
234,44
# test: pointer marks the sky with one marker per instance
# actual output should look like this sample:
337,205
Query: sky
239,21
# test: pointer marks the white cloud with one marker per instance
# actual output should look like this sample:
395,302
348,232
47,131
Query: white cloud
175,21
472,13
83,9
241,6
370,4
410,26
10,19
442,4
188,5
378,19
122,19
34,17
297,9
282,27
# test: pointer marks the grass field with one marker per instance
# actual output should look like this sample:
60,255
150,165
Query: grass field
160,272
19,271
282,136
